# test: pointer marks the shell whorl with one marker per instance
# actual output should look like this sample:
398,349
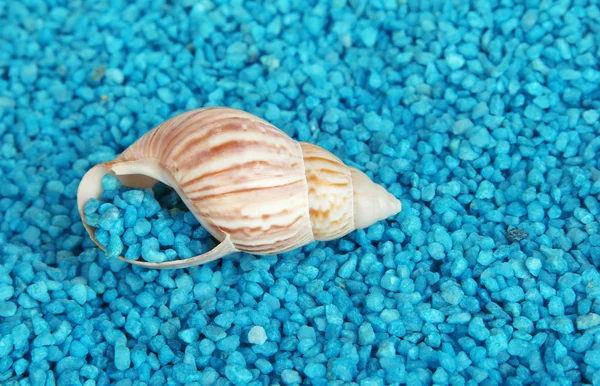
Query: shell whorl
238,174
330,193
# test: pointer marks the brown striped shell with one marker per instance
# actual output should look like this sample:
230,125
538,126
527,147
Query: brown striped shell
249,184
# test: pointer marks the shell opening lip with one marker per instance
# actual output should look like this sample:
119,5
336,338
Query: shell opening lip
91,187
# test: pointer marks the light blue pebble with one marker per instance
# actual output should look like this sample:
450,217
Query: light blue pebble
7,309
122,357
166,95
591,116
436,250
130,217
166,237
134,252
290,377
79,293
142,227
590,320
109,218
485,191
314,370
496,343
266,367
478,330
453,295
374,302
592,358
115,75
366,334
229,344
238,375
562,324
110,182
369,36
39,291
455,61
129,238
150,251
91,206
115,246
257,335
133,197
535,211
430,315
447,361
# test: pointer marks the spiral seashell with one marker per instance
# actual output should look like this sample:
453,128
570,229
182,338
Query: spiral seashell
250,185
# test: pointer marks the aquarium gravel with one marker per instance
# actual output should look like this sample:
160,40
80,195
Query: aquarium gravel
481,116
152,225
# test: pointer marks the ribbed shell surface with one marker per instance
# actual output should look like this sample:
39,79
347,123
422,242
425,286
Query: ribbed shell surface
329,193
243,176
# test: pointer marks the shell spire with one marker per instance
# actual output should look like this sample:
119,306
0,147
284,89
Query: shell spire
372,202
249,184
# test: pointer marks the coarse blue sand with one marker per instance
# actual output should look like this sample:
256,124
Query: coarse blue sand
483,117
145,224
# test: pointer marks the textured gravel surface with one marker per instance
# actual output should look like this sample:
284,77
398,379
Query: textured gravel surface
481,116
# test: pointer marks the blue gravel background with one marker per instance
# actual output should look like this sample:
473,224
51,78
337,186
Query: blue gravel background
482,116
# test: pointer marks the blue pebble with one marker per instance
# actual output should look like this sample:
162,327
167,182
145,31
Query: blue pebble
496,343
590,116
122,357
166,237
79,293
206,347
455,61
257,335
290,377
453,295
436,250
115,75
229,344
133,197
366,334
315,370
430,315
142,227
39,291
592,358
238,375
115,246
150,251
150,205
264,365
166,95
110,182
130,217
109,218
134,252
91,206
590,320
129,238
375,302
369,36
562,324
478,330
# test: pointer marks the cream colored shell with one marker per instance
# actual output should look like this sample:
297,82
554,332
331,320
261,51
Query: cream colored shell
248,183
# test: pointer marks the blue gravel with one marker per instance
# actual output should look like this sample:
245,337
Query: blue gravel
482,117
151,225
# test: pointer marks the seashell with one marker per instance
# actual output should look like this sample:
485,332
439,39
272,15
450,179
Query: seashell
250,185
